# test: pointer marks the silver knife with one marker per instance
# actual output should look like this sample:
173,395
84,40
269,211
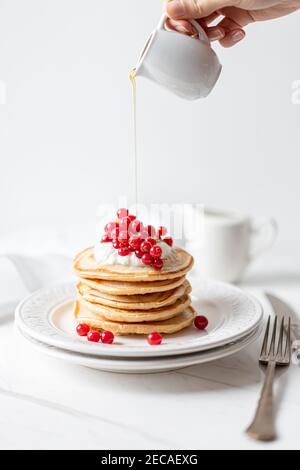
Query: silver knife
282,308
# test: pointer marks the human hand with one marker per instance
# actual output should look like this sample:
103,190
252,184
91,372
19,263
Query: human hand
236,14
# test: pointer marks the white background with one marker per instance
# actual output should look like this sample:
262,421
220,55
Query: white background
66,146
66,131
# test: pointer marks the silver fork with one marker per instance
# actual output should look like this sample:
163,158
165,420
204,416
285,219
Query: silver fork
263,425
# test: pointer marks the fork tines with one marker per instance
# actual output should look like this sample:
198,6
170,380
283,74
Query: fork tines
278,349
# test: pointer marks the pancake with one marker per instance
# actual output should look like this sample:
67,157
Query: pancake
132,288
137,316
176,265
171,326
134,302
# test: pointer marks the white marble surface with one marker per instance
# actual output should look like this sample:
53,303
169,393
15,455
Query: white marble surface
47,404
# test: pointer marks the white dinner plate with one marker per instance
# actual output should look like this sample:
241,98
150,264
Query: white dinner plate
143,366
233,314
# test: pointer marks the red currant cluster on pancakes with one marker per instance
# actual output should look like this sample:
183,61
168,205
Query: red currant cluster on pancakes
128,235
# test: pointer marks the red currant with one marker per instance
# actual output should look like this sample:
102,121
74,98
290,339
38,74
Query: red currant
135,227
82,329
124,251
144,233
139,254
145,247
155,339
124,244
169,241
156,252
151,230
110,227
122,213
123,236
115,233
107,337
94,336
106,239
201,322
123,239
124,223
135,243
116,244
147,259
158,264
151,240
162,231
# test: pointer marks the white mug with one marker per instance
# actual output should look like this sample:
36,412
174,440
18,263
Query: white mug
231,241
185,65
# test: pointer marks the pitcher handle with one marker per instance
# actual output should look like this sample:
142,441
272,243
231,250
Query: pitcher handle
202,34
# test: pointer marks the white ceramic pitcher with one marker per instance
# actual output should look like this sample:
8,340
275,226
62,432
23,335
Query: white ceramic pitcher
185,65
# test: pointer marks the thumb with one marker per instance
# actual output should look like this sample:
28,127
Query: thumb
188,9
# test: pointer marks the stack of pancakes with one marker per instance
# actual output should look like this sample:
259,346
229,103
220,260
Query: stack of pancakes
134,300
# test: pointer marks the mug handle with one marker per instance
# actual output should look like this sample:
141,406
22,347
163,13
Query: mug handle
265,233
202,34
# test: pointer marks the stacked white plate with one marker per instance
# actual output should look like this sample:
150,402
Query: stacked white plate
45,320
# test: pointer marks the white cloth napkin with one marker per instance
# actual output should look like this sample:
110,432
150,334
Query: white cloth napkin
21,275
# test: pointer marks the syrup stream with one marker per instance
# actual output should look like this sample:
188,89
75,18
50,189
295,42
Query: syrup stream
133,82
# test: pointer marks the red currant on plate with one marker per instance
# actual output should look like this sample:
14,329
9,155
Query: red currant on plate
201,322
106,239
155,339
82,329
107,337
158,263
156,252
162,231
169,241
122,213
147,259
145,247
94,336
124,251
